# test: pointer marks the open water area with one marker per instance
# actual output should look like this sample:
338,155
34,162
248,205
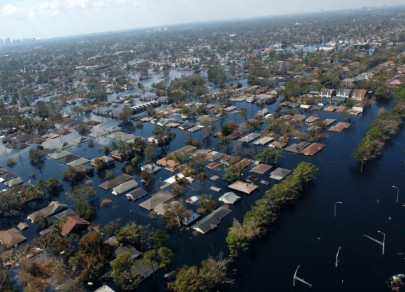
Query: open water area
305,233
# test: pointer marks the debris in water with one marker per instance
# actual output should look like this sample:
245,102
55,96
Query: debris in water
378,201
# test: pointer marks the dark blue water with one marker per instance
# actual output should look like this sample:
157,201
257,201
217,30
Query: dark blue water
293,239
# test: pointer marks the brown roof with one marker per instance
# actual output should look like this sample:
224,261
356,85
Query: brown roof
115,181
339,127
11,237
316,108
225,158
235,134
243,187
329,108
312,149
261,168
342,109
212,165
168,162
93,123
185,149
311,119
36,140
359,92
73,223
278,144
63,131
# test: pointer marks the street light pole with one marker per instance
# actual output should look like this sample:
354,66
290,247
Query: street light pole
383,245
397,192
335,207
336,264
298,279
377,241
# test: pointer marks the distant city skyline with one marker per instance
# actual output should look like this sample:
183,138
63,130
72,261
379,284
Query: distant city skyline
58,18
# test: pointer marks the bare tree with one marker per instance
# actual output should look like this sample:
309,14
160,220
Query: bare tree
174,214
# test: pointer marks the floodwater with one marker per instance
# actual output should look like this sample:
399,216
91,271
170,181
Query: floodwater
305,234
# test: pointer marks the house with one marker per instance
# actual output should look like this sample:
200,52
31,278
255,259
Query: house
74,224
151,167
104,288
156,199
327,93
263,141
190,218
122,156
359,94
112,183
279,173
312,149
342,94
358,108
243,187
211,221
185,126
261,168
136,194
295,148
125,187
11,237
139,270
123,249
14,182
167,162
107,161
229,198
53,208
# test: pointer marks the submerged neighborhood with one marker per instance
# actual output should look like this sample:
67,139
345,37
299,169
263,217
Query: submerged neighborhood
154,159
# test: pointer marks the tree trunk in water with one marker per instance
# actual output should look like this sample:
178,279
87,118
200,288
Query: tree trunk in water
362,166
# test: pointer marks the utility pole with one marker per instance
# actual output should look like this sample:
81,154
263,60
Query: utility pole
299,279
377,241
337,255
397,192
335,207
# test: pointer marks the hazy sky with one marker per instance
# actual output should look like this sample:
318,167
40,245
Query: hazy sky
51,18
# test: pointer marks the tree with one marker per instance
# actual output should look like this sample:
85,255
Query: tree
42,221
166,73
136,161
188,280
228,128
165,256
84,208
243,113
53,185
35,155
125,114
202,177
11,162
41,184
149,153
160,238
121,273
233,170
159,134
174,214
93,254
110,175
146,176
71,174
367,150
210,277
266,154
137,235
